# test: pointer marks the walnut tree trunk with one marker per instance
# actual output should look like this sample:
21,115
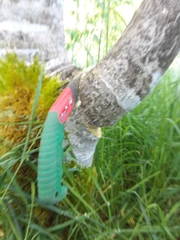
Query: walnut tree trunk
119,82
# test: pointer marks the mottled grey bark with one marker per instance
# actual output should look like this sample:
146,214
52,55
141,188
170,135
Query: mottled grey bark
30,28
127,74
134,65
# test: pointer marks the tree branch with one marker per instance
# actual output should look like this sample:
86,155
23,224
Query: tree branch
128,73
134,65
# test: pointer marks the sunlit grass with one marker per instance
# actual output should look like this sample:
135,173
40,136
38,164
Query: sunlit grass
131,192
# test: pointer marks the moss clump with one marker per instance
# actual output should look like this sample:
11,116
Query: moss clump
50,90
18,82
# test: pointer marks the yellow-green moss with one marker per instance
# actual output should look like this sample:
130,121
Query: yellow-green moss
50,90
14,73
18,82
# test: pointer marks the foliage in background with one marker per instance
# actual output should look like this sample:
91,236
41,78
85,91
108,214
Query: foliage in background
97,25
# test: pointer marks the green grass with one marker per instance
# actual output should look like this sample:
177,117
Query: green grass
131,192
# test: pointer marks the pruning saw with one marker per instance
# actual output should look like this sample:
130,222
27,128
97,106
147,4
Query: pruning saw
50,161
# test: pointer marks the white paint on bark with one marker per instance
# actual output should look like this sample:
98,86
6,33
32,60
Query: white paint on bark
83,142
129,99
29,53
165,11
156,76
23,27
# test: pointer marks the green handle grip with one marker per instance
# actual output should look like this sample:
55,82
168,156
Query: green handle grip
50,163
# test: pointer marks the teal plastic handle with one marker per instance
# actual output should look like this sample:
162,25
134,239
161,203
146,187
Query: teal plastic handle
50,163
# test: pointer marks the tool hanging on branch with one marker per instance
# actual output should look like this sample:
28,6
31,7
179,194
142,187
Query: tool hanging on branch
50,163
